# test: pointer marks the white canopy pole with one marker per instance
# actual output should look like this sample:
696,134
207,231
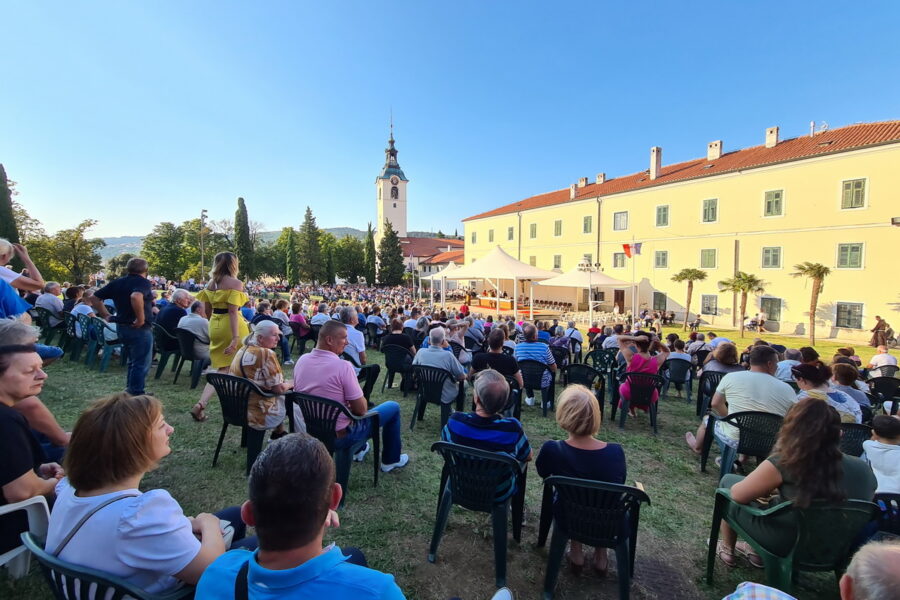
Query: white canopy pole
497,298
515,299
531,285
443,294
590,297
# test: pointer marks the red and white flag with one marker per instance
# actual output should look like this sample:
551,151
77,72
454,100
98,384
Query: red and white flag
632,249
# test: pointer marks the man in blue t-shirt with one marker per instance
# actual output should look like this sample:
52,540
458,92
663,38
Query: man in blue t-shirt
532,349
292,500
486,429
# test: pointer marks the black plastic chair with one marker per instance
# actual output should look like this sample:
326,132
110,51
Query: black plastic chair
163,339
884,371
889,516
186,353
885,389
470,478
68,581
430,389
642,388
757,434
70,342
680,371
320,416
456,348
560,356
412,333
604,360
575,349
367,376
852,437
234,395
299,338
586,375
532,376
372,333
397,360
508,351
602,515
706,388
701,357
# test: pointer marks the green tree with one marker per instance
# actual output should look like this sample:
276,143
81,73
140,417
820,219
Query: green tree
115,266
8,228
390,257
744,284
817,272
689,275
349,258
291,258
163,249
70,254
312,266
28,227
327,245
243,245
440,234
371,259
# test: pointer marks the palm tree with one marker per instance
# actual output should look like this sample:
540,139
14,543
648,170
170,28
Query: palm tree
689,275
817,272
743,284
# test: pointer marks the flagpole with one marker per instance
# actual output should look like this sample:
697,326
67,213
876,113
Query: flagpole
634,310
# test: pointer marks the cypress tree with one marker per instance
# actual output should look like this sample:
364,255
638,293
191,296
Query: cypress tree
390,257
292,260
370,256
243,246
8,228
312,267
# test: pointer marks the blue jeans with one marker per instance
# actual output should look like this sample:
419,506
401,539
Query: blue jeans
232,514
285,348
48,352
389,416
139,345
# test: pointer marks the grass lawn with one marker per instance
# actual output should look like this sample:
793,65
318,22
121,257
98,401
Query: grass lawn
393,522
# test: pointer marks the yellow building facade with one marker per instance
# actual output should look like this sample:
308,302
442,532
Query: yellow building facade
831,198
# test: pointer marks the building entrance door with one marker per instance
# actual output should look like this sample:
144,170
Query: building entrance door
619,300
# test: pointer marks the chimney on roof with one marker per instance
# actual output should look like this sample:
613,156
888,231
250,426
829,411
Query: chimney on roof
714,150
771,137
601,177
582,181
655,162
572,191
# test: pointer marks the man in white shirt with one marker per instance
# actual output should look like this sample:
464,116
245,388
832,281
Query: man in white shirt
573,334
83,308
321,317
792,358
50,300
613,340
753,390
195,322
356,348
882,359
411,321
698,344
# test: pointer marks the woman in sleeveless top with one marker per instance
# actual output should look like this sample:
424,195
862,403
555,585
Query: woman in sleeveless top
224,296
635,350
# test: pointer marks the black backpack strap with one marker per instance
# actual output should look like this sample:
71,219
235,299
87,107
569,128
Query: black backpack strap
241,590
84,519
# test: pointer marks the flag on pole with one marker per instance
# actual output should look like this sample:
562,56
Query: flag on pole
632,249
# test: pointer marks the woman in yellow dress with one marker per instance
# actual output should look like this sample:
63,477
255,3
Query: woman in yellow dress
224,296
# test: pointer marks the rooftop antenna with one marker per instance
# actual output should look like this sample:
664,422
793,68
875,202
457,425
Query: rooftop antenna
812,128
392,122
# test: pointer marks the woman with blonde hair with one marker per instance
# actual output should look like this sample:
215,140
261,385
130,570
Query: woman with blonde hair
223,298
724,359
29,283
583,456
102,520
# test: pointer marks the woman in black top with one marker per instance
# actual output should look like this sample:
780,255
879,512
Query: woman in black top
495,358
397,338
583,456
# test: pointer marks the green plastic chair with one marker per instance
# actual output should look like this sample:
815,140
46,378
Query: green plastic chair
104,346
825,537
47,332
88,337
68,581
68,341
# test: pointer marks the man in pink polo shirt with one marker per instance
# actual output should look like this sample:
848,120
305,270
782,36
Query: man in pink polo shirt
322,373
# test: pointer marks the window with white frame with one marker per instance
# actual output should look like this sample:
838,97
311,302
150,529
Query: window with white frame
618,260
557,261
710,210
532,230
661,259
510,233
474,237
850,256
709,304
620,220
771,257
588,224
849,315
662,216
659,301
773,206
853,193
490,235
557,227
772,308
708,258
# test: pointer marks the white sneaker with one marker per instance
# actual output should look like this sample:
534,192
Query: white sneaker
502,594
529,401
361,455
404,458
289,362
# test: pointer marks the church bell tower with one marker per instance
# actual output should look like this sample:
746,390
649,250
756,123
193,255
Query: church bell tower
390,190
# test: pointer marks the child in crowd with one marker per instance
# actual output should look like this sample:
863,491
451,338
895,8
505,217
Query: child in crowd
882,453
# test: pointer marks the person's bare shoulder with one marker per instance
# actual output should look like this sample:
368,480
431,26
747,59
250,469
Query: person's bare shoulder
231,283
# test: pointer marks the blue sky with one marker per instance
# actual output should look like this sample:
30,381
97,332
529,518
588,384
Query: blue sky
133,113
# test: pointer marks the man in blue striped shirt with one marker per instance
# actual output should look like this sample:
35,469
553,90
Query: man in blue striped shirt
532,349
486,429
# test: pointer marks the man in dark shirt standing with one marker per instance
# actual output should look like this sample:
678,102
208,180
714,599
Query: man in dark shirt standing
133,297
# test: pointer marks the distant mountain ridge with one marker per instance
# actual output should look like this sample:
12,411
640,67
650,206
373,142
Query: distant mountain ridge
131,244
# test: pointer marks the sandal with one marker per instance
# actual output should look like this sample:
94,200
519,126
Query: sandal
744,549
198,414
605,570
725,555
576,568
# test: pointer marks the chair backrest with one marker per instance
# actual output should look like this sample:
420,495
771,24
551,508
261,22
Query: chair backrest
469,342
594,512
475,475
560,355
827,532
295,328
701,356
514,391
884,387
372,330
642,386
758,431
677,370
72,581
709,383
350,359
70,321
86,324
456,348
315,329
411,332
431,382
234,394
581,373
889,516
508,351
885,371
319,414
101,327
532,373
852,437
395,357
186,341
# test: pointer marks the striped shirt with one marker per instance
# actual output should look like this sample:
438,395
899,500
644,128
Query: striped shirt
492,434
538,351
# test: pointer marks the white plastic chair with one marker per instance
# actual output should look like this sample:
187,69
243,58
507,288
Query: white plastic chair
18,560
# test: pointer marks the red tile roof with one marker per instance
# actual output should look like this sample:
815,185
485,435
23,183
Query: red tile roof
851,137
445,257
417,246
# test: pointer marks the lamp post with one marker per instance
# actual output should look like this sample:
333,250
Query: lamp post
583,266
202,253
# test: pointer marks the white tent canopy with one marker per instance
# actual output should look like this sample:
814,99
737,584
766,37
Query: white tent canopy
577,278
443,273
